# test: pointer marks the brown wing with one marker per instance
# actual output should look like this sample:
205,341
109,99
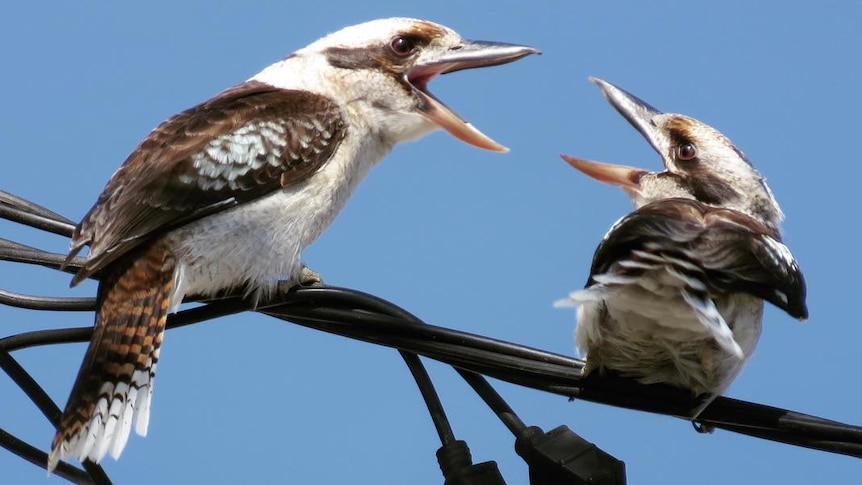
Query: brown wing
244,143
728,251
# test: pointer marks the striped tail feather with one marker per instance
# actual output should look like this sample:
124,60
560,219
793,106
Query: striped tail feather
115,382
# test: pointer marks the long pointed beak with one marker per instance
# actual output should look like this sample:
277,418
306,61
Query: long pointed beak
468,55
625,177
642,116
637,112
471,54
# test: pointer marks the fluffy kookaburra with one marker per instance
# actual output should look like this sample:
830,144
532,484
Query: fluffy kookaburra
227,195
676,288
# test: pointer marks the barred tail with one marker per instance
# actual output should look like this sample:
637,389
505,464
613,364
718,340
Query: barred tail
115,383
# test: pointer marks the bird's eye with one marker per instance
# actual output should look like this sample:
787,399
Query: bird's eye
686,151
402,46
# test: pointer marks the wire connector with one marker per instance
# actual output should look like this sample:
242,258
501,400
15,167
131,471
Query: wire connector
561,457
458,468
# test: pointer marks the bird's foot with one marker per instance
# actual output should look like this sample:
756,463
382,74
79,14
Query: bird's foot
699,426
307,278
702,428
592,366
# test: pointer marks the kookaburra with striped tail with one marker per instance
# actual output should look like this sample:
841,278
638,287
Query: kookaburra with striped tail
676,288
227,195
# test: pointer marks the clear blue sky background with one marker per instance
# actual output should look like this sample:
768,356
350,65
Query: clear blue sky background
461,237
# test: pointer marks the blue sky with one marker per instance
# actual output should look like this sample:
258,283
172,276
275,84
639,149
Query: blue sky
461,237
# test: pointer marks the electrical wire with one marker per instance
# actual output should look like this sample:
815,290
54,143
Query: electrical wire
371,319
19,210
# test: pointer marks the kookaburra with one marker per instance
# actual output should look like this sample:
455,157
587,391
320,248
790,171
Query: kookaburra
676,288
227,195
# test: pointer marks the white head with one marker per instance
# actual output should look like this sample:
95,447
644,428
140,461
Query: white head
383,67
700,163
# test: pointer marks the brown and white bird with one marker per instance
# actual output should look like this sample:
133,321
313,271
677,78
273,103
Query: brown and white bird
227,195
676,288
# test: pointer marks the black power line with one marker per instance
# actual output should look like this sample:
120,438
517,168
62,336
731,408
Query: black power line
558,456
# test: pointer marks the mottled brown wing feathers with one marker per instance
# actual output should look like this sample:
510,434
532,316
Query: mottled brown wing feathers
732,252
244,143
114,383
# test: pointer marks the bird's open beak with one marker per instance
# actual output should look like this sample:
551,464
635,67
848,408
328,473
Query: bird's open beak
625,177
640,114
468,55
637,112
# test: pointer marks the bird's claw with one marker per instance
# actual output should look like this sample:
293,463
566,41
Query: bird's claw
309,277
702,428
